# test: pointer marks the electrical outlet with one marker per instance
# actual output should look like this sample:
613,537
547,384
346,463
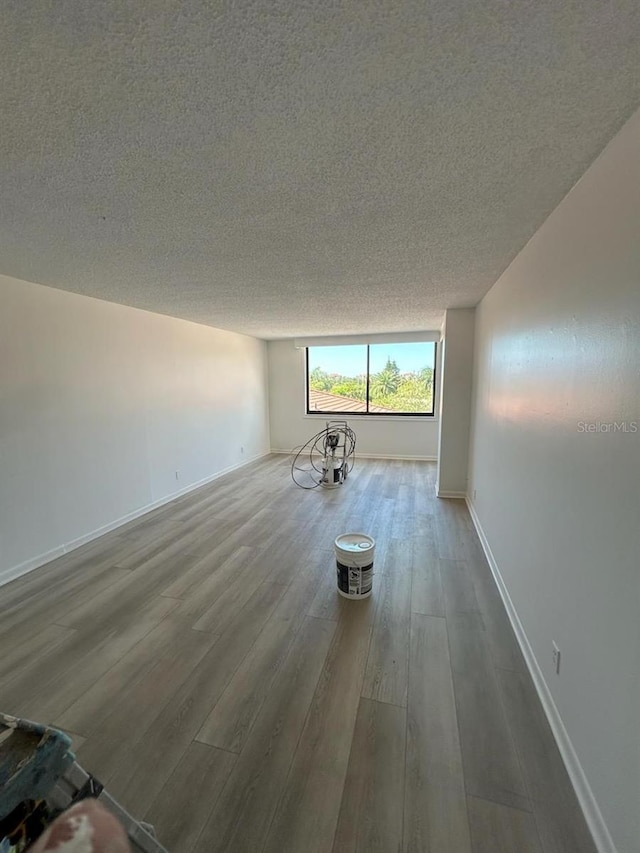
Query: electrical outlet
242,450
556,658
177,475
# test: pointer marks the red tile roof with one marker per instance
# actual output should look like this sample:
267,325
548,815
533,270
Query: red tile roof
322,401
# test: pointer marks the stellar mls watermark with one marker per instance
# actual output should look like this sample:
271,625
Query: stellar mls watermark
629,427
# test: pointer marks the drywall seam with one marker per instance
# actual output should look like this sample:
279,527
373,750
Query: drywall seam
14,572
595,821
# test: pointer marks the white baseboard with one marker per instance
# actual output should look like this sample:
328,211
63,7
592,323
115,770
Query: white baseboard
396,456
29,565
593,815
13,572
378,456
442,493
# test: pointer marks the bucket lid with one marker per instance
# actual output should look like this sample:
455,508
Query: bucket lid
355,542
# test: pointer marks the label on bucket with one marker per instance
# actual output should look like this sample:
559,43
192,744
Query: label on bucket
355,580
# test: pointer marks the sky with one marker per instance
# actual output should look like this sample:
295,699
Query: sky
352,360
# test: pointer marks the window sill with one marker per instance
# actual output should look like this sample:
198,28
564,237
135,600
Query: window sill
423,419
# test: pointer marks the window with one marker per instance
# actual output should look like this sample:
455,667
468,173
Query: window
372,379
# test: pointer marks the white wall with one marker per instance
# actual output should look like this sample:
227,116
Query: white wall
455,402
415,438
558,345
101,404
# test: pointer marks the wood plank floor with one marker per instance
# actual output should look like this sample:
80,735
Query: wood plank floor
219,687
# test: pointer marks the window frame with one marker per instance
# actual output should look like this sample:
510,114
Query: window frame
323,413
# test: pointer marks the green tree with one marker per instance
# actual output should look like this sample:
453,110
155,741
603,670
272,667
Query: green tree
409,396
347,387
426,378
319,380
385,383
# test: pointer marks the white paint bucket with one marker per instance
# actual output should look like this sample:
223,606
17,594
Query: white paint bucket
354,560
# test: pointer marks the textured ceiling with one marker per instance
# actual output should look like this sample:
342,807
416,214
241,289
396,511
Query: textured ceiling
283,167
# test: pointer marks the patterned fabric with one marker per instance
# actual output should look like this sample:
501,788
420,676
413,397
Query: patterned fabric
23,826
32,759
86,827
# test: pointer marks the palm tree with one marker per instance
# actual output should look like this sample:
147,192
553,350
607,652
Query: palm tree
385,383
426,378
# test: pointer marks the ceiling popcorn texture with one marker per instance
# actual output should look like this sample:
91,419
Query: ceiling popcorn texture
298,167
